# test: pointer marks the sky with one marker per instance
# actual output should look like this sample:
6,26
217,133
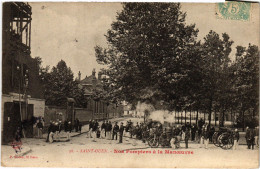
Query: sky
70,31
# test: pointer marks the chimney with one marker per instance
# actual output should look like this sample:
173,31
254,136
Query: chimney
94,72
99,75
79,75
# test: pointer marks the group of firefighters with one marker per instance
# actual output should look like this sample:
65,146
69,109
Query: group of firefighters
106,130
143,130
200,133
57,126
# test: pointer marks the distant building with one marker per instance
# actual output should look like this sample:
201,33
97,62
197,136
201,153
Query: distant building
22,94
100,108
91,83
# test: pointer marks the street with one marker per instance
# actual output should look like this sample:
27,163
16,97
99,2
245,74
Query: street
82,151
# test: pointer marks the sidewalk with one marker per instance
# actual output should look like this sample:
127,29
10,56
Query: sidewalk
10,151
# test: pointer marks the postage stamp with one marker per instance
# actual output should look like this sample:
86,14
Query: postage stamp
233,10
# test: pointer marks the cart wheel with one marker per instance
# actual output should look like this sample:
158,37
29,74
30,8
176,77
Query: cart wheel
153,142
227,141
229,144
215,139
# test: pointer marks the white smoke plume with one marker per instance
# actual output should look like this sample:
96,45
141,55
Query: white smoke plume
156,115
162,116
142,107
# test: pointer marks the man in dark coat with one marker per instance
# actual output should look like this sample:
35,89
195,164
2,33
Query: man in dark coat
67,128
236,139
121,132
103,130
39,126
109,129
211,133
106,123
90,128
187,137
115,130
94,129
177,134
49,131
193,132
250,138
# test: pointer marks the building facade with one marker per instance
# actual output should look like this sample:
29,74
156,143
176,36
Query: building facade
22,93
100,109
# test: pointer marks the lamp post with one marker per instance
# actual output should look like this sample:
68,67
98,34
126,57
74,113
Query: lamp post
20,104
25,93
26,81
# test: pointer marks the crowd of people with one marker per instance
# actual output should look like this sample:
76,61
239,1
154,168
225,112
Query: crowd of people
174,134
106,130
200,133
55,128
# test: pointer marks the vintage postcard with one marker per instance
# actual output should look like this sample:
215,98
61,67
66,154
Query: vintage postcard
130,85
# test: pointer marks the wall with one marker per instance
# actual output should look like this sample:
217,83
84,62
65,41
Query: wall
54,113
39,106
83,115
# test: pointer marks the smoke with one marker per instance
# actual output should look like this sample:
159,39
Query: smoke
162,116
142,107
155,115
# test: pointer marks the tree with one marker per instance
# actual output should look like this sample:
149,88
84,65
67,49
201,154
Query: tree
216,62
146,44
59,85
246,81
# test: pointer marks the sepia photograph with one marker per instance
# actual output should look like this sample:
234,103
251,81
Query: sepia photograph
130,85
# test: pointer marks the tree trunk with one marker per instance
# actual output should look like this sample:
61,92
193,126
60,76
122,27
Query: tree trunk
210,109
231,117
181,117
215,118
223,118
197,116
243,116
185,117
190,116
175,117
178,117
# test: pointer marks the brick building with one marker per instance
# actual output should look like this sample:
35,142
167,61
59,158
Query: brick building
99,108
22,94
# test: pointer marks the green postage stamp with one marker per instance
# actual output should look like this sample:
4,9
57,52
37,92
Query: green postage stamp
233,10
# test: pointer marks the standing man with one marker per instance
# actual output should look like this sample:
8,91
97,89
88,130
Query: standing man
250,137
106,128
201,136
236,139
49,131
187,137
90,128
76,124
103,129
94,130
115,130
67,128
177,133
57,134
257,136
205,135
109,128
39,126
121,132
193,132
